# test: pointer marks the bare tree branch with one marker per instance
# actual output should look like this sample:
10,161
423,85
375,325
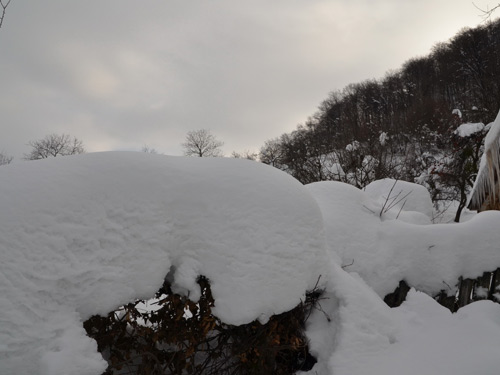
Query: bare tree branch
4,4
488,11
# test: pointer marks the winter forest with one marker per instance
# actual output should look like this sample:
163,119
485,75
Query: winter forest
350,246
405,126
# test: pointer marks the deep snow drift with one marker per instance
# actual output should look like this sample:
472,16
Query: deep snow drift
383,250
82,235
365,336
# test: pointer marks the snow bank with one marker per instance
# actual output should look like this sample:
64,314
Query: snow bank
422,338
351,319
384,252
401,199
82,235
355,332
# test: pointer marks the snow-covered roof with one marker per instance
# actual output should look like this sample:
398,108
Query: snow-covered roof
486,183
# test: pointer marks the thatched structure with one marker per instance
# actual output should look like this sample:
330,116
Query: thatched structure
485,194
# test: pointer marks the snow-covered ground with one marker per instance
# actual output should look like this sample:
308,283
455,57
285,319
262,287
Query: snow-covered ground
384,250
82,235
377,251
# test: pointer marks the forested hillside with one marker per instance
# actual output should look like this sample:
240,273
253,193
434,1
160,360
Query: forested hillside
404,126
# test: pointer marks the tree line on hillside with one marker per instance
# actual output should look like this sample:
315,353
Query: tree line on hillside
403,125
199,143
51,145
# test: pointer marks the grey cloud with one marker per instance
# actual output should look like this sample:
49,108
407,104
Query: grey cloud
121,74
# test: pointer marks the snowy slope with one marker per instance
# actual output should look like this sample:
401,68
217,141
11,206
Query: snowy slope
81,235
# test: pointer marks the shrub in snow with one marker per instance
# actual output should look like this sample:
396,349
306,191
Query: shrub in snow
181,336
451,176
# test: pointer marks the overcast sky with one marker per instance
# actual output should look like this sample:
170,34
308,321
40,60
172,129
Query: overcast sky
123,74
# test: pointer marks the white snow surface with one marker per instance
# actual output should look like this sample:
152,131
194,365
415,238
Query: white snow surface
383,137
352,146
466,130
403,200
356,333
419,337
82,235
457,112
385,251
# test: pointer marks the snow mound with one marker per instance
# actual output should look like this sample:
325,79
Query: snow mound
425,339
466,130
383,252
82,235
355,332
402,199
346,210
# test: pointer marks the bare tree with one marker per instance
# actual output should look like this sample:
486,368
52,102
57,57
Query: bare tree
5,159
202,143
4,4
273,153
54,145
149,150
